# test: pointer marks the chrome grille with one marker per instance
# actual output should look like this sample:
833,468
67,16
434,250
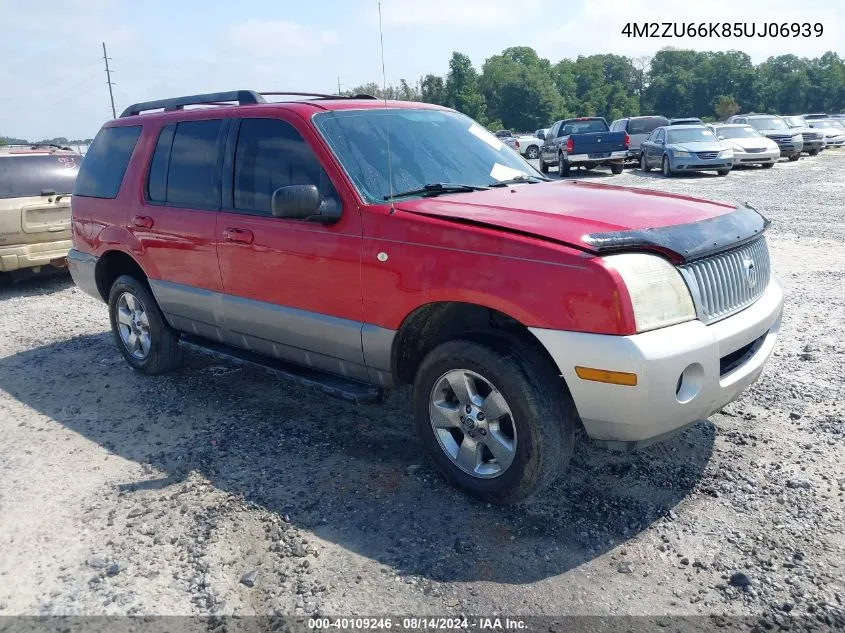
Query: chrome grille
707,155
810,136
721,284
754,150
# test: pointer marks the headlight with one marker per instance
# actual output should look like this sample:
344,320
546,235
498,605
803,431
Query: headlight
797,138
658,293
726,153
679,154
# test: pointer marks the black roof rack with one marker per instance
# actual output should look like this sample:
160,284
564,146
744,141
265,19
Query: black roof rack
242,97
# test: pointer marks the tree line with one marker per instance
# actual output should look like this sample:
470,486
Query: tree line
59,140
519,90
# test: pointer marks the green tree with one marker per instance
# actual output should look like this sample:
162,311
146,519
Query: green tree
461,89
725,106
433,90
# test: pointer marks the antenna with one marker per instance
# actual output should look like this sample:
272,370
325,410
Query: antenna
387,115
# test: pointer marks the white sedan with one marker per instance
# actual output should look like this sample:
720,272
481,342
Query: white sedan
834,131
749,146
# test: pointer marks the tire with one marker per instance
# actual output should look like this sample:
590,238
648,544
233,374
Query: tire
532,152
723,172
794,157
539,426
563,167
665,168
768,165
544,167
616,168
643,166
162,353
813,152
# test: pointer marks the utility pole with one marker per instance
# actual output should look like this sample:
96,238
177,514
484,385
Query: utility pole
109,81
338,85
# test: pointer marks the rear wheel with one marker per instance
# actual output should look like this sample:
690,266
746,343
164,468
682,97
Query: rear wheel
665,168
616,168
794,157
768,165
532,152
497,424
563,166
146,341
643,165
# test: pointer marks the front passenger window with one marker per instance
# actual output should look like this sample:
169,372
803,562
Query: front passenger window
271,154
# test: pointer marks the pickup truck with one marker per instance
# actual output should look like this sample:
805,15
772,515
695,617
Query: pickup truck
526,144
521,309
583,142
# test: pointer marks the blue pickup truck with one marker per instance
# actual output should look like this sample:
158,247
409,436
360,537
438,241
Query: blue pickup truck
583,142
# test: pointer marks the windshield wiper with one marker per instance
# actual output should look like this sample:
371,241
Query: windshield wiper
436,189
518,179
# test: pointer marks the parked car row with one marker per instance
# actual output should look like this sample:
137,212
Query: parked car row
685,144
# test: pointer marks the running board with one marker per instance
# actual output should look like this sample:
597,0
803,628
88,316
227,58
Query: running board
344,388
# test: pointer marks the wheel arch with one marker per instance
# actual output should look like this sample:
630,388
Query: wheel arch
111,265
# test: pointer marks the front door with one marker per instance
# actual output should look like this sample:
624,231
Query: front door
292,288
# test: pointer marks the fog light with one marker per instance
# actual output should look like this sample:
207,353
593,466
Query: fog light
689,383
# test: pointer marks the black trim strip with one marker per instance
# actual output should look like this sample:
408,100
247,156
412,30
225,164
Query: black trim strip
686,241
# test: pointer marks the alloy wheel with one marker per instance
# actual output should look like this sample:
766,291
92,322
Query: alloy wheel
133,325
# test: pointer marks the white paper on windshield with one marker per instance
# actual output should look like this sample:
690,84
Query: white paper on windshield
484,135
503,172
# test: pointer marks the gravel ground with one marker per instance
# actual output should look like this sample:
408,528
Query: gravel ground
222,491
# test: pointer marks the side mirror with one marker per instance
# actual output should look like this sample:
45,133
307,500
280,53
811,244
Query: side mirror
541,136
303,202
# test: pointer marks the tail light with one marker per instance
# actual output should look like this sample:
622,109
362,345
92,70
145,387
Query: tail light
516,144
569,145
627,140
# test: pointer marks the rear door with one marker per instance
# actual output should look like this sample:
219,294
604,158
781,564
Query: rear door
34,196
176,220
292,287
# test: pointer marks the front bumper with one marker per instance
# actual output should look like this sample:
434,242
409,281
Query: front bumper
22,256
788,149
813,145
694,163
756,158
83,270
685,372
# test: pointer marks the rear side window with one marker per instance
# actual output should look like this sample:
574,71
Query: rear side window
271,154
193,178
24,175
646,126
106,161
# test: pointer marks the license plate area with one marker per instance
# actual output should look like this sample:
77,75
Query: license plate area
46,219
599,155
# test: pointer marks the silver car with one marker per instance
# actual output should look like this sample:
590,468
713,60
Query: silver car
834,131
678,148
748,145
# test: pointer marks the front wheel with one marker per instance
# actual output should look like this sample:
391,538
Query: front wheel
496,423
544,166
794,157
768,165
723,172
665,168
813,152
616,168
643,164
147,342
532,152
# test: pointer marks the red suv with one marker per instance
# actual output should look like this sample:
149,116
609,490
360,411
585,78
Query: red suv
359,244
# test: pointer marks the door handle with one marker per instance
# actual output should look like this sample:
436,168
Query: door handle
241,236
143,221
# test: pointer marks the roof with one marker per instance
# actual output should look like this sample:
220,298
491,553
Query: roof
682,127
175,108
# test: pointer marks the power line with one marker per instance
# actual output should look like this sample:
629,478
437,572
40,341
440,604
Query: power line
109,81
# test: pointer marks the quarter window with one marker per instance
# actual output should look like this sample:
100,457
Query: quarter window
105,162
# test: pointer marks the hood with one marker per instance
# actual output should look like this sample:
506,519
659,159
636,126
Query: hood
748,143
595,217
789,132
699,146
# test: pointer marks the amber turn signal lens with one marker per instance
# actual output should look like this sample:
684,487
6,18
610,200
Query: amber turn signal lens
605,375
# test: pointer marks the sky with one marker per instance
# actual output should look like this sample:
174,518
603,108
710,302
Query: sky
52,77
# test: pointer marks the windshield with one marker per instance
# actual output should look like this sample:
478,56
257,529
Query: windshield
826,124
795,121
646,125
24,175
426,147
583,127
738,132
691,135
769,123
